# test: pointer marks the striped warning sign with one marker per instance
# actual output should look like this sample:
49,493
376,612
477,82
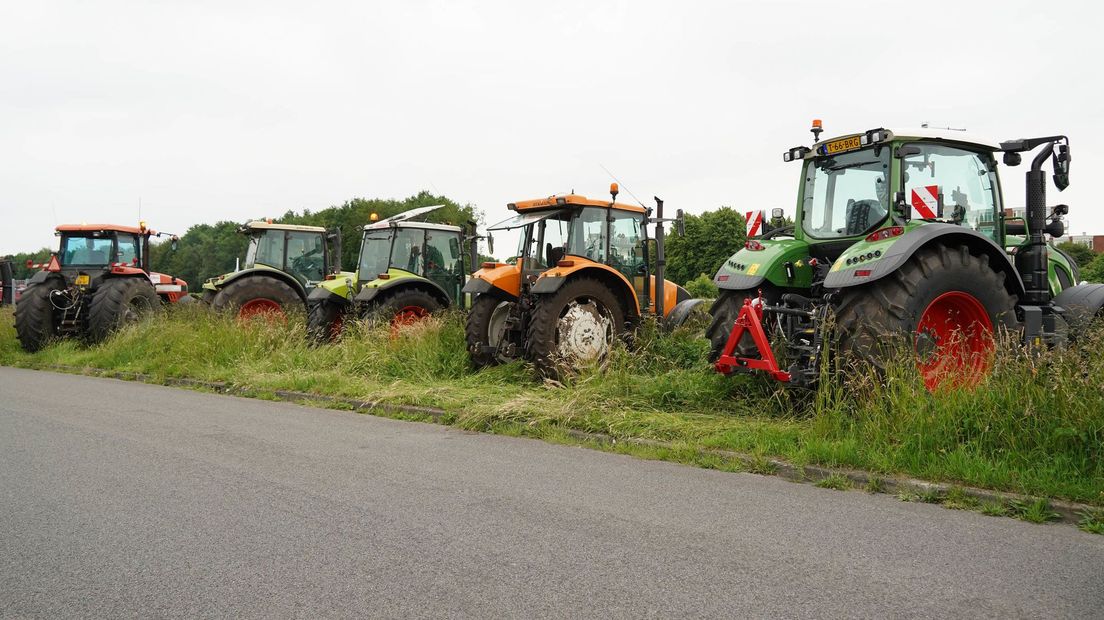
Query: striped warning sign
925,202
754,221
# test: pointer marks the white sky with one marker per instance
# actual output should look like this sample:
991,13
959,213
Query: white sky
209,110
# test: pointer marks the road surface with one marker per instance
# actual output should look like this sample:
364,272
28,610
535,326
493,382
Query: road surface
121,499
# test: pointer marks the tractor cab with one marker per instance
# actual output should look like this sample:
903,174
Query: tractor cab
304,252
400,247
85,247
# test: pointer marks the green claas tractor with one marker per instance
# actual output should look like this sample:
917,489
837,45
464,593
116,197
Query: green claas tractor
903,233
406,270
283,263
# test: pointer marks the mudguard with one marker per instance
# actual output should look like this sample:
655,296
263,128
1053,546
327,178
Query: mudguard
682,311
1082,303
218,282
881,258
341,287
372,290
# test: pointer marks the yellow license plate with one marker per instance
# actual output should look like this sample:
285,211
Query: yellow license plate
838,146
82,280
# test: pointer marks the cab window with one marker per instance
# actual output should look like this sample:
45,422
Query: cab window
306,256
948,183
442,252
587,234
626,251
86,250
847,194
406,250
127,250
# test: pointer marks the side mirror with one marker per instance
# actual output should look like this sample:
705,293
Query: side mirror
490,243
680,223
907,150
174,242
1060,210
1012,159
454,246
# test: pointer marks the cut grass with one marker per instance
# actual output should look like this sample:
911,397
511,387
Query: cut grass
1036,427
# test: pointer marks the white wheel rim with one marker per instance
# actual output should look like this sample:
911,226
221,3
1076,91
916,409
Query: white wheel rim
585,331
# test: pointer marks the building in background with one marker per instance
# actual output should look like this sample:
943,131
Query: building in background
1093,242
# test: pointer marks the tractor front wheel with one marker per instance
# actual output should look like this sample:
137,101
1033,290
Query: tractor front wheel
36,321
574,327
253,296
118,302
405,307
485,328
949,303
325,321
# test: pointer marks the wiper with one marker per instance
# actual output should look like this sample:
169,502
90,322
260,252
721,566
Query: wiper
854,165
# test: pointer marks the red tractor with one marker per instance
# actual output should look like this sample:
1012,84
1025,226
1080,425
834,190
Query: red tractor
99,280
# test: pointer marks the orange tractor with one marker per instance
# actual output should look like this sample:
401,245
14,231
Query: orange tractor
99,280
581,278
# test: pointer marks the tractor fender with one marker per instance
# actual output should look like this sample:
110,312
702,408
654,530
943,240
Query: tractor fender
502,279
1081,304
903,248
340,285
371,293
550,281
265,273
42,276
320,294
681,312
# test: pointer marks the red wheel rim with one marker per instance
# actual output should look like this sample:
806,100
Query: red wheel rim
261,308
409,315
954,341
337,326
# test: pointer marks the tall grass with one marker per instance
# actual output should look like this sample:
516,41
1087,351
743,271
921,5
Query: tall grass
1036,426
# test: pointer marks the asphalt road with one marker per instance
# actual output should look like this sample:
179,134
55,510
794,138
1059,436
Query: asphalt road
120,500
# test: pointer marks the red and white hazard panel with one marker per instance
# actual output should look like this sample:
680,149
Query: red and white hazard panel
754,220
925,202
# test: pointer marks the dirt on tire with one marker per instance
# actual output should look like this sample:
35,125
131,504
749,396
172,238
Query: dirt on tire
548,325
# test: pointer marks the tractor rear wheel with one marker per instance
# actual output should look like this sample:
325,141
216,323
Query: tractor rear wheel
325,321
36,322
724,312
405,307
574,326
251,296
948,302
118,302
485,327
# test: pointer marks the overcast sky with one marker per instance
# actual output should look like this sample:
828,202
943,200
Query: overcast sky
231,110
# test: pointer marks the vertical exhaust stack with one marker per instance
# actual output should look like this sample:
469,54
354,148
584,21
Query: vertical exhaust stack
661,259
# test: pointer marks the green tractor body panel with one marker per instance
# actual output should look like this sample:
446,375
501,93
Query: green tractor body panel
400,278
341,286
750,268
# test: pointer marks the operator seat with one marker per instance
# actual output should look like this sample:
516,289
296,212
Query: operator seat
862,215
553,254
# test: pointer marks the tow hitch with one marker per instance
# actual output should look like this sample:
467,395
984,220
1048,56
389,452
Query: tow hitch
750,320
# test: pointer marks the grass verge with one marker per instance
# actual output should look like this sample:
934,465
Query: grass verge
1036,427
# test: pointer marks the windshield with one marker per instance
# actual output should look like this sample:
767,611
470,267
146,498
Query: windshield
96,250
266,247
846,195
374,252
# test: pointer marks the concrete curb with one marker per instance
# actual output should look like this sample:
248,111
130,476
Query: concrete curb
1068,512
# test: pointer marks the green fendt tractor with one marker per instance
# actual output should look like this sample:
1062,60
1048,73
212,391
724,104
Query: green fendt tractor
903,234
283,263
406,271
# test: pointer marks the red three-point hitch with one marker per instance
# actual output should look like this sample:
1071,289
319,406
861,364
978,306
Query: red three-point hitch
750,320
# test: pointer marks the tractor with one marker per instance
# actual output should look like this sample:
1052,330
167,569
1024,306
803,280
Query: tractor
99,280
903,235
581,278
283,263
406,271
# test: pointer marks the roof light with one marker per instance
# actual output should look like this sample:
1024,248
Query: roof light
818,127
794,154
374,217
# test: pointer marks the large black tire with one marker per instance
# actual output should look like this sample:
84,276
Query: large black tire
574,326
725,311
36,321
256,294
870,317
403,307
326,320
118,302
478,329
